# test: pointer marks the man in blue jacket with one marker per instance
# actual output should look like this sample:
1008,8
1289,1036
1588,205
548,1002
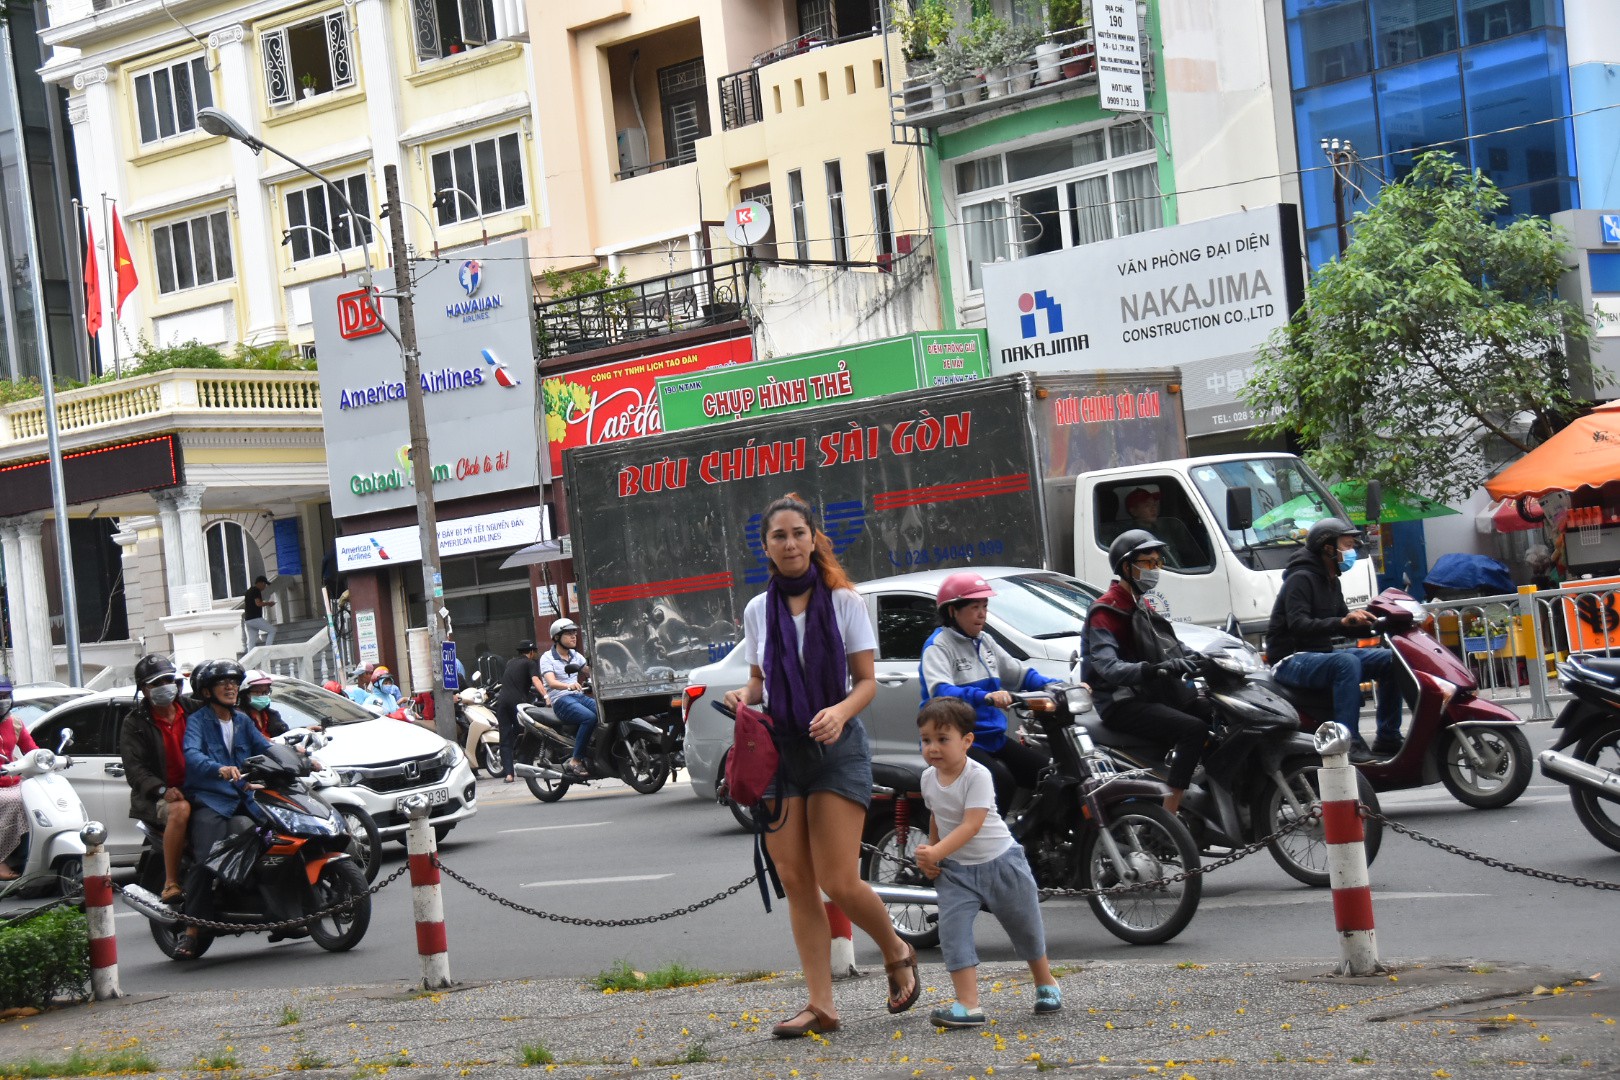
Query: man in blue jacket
219,740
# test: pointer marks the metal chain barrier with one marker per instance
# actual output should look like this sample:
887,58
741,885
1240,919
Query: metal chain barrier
572,920
183,919
1487,860
1159,883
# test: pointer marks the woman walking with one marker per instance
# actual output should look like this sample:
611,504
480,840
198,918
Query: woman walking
810,647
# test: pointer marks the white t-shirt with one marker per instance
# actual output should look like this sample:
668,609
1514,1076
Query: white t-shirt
849,610
950,803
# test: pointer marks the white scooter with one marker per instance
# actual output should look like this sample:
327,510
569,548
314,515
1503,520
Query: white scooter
479,730
55,858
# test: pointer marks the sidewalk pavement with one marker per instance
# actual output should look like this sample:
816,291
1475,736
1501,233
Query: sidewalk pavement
1462,1019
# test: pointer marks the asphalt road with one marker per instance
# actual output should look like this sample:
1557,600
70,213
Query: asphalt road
613,854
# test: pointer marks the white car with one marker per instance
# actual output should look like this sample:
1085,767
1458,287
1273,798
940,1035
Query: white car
384,761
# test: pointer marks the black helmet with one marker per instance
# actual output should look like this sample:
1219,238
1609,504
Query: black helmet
152,667
1327,531
527,645
211,673
1129,544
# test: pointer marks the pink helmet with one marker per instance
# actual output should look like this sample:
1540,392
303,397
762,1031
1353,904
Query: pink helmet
963,585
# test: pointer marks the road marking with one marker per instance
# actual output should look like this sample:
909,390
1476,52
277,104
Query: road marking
1316,898
546,828
593,881
1389,803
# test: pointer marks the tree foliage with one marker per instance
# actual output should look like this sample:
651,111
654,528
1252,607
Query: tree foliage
1437,330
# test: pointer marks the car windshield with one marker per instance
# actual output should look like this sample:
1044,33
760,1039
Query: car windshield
35,707
1287,499
303,705
1044,606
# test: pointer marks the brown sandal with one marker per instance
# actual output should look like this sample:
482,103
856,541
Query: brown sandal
173,894
818,1024
894,968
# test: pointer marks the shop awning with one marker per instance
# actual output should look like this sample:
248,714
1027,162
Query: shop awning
1584,454
546,551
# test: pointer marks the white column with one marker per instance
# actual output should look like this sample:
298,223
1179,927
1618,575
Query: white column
31,568
188,507
174,564
17,595
374,26
256,271
95,118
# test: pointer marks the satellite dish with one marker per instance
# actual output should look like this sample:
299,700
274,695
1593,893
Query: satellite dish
748,223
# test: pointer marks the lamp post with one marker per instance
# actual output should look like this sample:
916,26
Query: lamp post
286,238
216,122
432,232
483,229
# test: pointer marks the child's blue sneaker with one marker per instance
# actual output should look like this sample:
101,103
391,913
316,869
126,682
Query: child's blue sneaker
957,1017
1048,999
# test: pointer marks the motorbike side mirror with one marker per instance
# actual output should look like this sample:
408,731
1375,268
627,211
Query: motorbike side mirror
572,668
65,741
1239,509
478,677
1375,501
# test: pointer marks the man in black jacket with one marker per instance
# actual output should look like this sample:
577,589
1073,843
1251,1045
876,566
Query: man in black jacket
151,745
1309,614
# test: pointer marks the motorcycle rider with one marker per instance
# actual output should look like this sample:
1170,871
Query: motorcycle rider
363,692
1309,614
219,739
14,742
960,660
256,694
1135,666
565,692
384,685
518,681
152,746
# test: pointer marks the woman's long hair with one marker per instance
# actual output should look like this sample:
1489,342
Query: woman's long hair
832,574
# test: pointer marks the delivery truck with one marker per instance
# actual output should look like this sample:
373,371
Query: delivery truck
1039,470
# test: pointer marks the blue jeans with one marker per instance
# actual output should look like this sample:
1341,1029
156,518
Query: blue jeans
1343,672
578,709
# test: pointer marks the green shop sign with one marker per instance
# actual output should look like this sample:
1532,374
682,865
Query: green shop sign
871,369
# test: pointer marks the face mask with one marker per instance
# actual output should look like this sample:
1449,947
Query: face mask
1148,581
1347,559
164,695
260,702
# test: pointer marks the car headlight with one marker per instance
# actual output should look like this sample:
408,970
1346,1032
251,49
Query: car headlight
450,756
348,777
1236,661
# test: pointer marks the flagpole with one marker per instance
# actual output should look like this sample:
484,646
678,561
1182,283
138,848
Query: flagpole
87,246
111,288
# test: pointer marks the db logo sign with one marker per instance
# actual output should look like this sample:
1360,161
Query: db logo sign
357,315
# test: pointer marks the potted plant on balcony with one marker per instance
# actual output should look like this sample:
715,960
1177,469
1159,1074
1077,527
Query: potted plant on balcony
1021,40
1076,50
307,81
923,26
954,70
986,45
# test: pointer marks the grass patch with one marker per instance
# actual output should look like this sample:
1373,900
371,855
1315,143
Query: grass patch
1060,970
290,1016
535,1054
1482,969
309,1059
79,1063
1362,1058
219,1062
753,976
621,976
1188,965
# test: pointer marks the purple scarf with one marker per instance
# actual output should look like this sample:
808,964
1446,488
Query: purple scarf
798,691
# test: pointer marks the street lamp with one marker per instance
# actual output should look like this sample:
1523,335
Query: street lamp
216,122
438,202
286,238
432,232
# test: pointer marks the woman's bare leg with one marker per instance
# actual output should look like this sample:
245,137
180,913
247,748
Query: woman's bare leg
790,848
835,847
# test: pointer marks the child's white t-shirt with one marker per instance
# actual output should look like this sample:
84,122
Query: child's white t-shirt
950,803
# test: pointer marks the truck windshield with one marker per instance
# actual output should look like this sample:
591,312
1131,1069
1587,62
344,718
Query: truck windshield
1287,500
1044,606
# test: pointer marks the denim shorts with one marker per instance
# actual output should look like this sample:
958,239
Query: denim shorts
843,768
1004,885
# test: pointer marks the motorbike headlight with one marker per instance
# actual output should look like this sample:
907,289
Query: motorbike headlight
1236,661
45,759
1078,699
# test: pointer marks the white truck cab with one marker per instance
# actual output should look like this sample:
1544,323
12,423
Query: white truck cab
1211,569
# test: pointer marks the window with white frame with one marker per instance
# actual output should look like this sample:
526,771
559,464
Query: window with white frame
801,226
308,58
877,169
233,559
1089,186
167,99
447,27
316,219
191,252
483,177
835,211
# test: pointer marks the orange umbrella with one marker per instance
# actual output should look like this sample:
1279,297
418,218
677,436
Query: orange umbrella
1586,453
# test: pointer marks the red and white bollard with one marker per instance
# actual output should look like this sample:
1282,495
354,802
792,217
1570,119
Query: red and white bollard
98,912
426,901
843,942
1347,853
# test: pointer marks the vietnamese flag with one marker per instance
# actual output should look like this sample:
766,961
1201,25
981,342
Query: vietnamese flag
92,282
123,266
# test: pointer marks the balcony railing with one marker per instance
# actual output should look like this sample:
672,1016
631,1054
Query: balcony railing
1065,64
653,307
739,91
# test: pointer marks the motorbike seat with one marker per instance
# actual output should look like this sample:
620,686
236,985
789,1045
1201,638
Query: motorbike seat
1603,665
1103,735
901,774
1315,702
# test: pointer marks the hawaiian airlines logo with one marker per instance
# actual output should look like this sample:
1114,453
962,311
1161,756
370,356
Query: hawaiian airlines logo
1033,303
471,276
475,307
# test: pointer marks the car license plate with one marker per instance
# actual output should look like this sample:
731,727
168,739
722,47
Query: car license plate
434,798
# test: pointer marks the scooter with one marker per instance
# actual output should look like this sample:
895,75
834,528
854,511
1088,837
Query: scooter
1084,827
54,857
477,727
1591,724
303,864
1475,747
630,749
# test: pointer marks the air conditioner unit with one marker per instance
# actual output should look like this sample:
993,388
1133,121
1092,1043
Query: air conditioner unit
632,149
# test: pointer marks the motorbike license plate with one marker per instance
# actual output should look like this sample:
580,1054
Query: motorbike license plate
434,798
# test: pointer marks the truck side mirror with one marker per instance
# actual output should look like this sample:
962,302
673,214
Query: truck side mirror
1239,509
1375,501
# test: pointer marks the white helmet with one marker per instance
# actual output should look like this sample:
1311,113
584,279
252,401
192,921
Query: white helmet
563,626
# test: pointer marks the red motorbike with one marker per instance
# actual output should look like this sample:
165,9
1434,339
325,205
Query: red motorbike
1475,747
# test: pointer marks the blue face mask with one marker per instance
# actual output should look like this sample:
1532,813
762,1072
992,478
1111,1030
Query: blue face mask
1347,559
